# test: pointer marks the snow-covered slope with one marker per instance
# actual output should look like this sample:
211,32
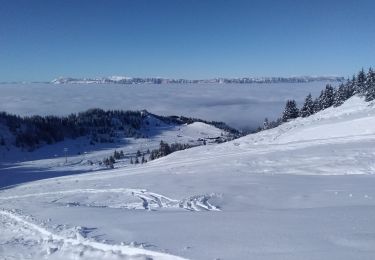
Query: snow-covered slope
304,190
72,156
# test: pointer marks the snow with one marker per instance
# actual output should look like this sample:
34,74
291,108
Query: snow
82,156
239,105
58,246
304,190
118,78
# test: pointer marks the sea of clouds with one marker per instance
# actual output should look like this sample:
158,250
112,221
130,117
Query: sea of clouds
239,105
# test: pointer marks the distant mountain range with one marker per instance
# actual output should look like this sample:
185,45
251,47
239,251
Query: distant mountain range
157,80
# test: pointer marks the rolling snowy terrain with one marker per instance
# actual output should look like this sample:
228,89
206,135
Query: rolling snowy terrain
303,190
238,105
71,156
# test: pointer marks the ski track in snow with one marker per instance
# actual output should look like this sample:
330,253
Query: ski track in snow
284,217
149,200
55,246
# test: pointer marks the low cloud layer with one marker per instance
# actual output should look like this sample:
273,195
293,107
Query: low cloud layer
241,106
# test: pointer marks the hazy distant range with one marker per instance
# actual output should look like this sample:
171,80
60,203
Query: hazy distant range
159,80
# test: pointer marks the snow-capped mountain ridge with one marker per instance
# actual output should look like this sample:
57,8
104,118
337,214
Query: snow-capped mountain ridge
160,80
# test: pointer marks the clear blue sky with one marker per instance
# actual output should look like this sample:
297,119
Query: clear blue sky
41,40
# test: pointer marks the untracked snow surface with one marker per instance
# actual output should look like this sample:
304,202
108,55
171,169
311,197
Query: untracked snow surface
304,190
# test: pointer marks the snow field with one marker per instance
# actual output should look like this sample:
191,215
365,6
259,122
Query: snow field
304,190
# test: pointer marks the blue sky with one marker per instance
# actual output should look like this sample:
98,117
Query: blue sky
41,40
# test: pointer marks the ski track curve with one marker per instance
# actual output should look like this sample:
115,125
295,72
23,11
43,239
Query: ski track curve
56,246
148,200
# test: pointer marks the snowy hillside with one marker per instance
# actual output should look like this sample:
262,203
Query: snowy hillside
75,155
303,190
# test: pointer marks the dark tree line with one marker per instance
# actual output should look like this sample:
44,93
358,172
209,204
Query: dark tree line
111,160
99,125
362,84
140,155
165,149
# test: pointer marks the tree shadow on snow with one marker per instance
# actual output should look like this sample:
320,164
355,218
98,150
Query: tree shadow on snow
12,176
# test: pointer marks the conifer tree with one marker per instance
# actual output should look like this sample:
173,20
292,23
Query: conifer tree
351,87
340,96
318,102
328,97
112,159
370,85
164,148
361,82
308,107
266,124
117,155
290,111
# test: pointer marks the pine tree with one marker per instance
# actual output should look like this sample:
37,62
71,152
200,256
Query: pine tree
328,97
290,111
308,107
370,85
164,148
106,162
117,155
340,96
361,82
318,102
112,159
266,124
350,87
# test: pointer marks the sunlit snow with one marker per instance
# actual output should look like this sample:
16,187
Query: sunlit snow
303,190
